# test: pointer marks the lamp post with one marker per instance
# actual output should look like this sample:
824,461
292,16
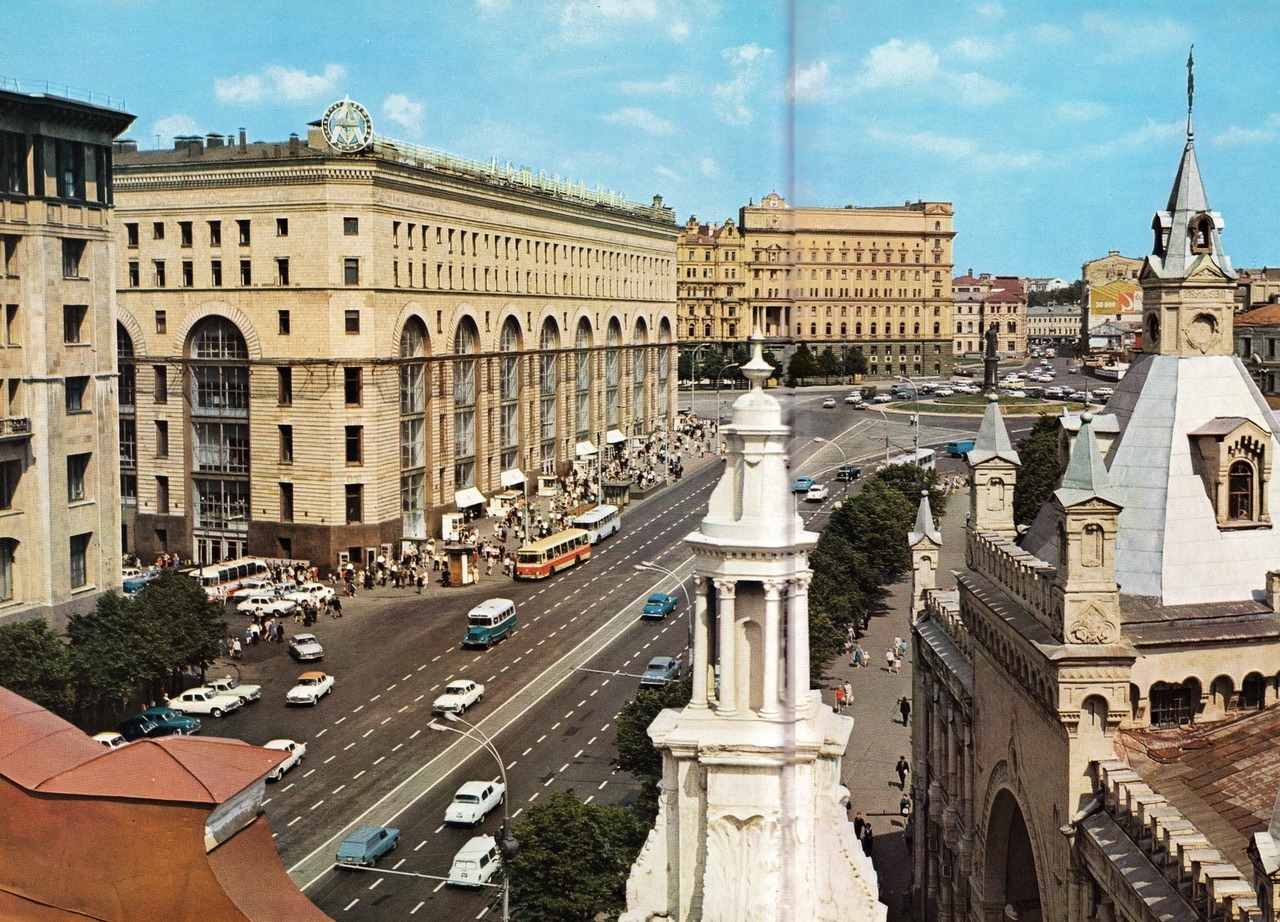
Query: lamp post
821,441
885,418
688,603
719,411
915,392
506,844
693,372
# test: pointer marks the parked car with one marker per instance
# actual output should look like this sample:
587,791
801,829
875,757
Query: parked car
458,695
172,720
305,648
252,587
230,686
317,592
132,585
474,801
296,753
802,484
854,399
475,863
267,604
366,845
945,392
816,493
311,687
204,700
659,605
660,671
829,403
847,473
110,739
1103,393
138,727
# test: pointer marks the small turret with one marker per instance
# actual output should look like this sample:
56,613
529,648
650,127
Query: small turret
925,542
993,473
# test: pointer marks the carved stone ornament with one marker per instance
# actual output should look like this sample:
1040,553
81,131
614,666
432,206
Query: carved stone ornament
1202,331
743,860
1092,626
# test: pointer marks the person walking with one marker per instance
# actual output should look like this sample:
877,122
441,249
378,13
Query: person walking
868,839
859,824
904,708
888,660
839,698
902,768
848,693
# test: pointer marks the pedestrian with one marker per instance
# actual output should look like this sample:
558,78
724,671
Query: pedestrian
888,660
839,698
902,768
868,839
236,649
902,647
897,662
857,656
904,708
858,825
908,832
848,693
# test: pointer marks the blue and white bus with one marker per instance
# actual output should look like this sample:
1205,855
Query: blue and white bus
489,622
601,522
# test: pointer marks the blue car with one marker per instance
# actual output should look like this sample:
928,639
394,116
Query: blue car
802,485
659,605
173,720
366,845
660,671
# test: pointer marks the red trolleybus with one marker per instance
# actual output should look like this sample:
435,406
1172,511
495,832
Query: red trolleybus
539,559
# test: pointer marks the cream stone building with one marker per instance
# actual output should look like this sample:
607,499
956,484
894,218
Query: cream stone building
59,472
1054,322
873,279
987,301
335,340
1096,698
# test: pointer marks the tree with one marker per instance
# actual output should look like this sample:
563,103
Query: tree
636,752
187,624
829,363
855,363
1041,469
802,365
911,479
113,652
574,859
1071,294
34,663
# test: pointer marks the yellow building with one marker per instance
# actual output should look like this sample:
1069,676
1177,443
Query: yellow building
59,513
876,280
336,340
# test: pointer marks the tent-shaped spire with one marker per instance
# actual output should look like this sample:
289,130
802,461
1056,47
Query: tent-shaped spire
993,438
924,524
1086,476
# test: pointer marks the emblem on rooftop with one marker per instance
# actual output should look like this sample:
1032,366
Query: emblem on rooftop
347,126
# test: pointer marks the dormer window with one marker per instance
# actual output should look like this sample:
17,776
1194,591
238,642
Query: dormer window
1240,492
1235,464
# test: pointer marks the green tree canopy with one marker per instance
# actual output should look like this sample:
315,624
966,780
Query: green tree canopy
1041,469
35,663
636,754
829,363
113,652
802,365
574,859
855,363
187,624
912,479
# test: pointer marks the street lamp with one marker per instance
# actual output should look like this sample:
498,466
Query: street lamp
688,603
885,418
693,372
915,392
719,411
507,843
821,441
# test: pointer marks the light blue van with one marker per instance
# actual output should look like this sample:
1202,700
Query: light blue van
490,621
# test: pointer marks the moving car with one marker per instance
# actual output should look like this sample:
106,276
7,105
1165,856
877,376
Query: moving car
458,696
296,753
475,863
267,604
366,845
174,722
829,403
847,473
854,399
305,647
882,398
230,686
489,622
204,700
959,448
802,484
311,687
659,605
816,493
474,801
110,739
660,671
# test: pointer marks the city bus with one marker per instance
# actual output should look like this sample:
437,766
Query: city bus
490,621
925,457
599,523
539,559
227,577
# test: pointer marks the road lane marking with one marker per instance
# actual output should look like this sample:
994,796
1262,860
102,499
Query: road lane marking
562,768
338,788
330,759
358,710
368,732
316,804
357,774
534,797
347,907
322,733
512,764
296,819
378,759
396,747
577,755
403,709
309,774
405,679
338,721
385,722
415,909
527,751
541,738
592,740
374,698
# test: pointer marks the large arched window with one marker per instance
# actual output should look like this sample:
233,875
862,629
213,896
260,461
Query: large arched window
664,364
413,423
1240,483
613,345
219,415
466,343
639,362
128,423
582,380
510,345
549,373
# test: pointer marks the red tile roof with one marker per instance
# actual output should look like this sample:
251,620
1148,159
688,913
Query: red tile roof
36,744
1266,316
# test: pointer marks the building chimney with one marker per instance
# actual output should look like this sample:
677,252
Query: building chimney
242,144
293,143
212,140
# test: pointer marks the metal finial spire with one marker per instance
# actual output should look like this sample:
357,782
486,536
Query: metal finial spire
1191,86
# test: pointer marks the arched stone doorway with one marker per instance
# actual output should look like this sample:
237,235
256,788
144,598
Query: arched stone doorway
1012,886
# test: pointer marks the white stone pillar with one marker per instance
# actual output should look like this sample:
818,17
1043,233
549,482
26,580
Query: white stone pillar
701,644
798,641
772,639
725,595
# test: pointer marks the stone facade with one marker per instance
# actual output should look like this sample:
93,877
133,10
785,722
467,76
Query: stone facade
873,279
984,301
59,472
332,349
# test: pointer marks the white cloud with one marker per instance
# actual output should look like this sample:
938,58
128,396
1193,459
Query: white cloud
1082,110
173,126
810,83
1050,34
977,90
641,119
961,150
1152,36
990,10
1268,130
895,63
590,21
279,84
709,168
670,85
1138,138
668,173
404,111
974,49
746,62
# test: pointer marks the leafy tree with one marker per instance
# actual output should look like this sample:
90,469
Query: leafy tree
910,479
802,365
1041,469
855,363
1071,294
187,624
35,664
113,652
829,363
636,753
574,859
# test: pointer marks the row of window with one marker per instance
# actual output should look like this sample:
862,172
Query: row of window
160,276
244,231
77,478
72,163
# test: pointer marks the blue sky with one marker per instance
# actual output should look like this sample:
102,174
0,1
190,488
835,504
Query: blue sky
1054,128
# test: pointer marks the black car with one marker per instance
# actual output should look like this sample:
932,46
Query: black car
847,473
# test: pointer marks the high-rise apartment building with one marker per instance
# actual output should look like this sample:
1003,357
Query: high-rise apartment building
337,339
873,279
59,471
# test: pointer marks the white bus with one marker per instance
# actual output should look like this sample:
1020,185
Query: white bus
227,577
925,457
601,522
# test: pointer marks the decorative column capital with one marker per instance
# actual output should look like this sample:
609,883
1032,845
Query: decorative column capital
801,582
725,588
773,588
699,582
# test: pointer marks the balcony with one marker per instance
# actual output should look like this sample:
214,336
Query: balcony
15,427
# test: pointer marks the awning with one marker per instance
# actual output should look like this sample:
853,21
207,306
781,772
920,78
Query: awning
468,497
585,450
512,478
613,437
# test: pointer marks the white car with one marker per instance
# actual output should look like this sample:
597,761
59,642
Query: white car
829,403
296,752
204,700
474,801
458,696
110,739
268,604
1103,393
252,587
816,493
881,398
311,592
229,686
305,647
944,392
311,687
853,398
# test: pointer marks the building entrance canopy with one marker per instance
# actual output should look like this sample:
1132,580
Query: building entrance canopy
512,478
585,449
614,437
468,497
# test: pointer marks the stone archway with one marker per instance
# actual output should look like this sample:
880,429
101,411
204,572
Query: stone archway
1012,886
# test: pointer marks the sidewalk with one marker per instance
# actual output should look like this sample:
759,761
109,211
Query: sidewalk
879,736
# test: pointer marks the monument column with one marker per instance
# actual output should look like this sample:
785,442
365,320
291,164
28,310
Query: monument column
772,635
725,596
700,643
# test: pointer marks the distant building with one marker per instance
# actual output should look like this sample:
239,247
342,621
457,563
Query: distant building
1111,288
872,279
336,340
60,535
1056,322
1256,287
985,301
1039,285
1257,340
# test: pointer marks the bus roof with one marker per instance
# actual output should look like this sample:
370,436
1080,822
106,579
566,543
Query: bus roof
552,540
591,516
